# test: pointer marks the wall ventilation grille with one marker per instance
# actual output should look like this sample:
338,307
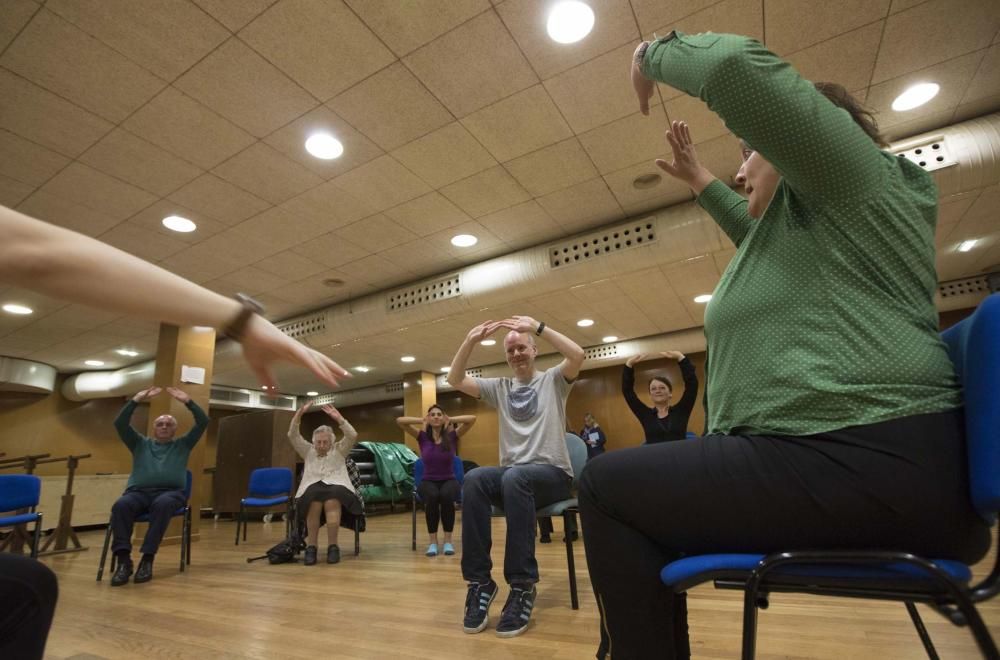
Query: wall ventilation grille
305,326
283,402
474,373
964,287
608,241
394,387
930,154
232,396
422,293
601,352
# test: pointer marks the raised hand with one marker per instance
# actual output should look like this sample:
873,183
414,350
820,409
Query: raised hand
178,394
685,165
147,394
673,355
303,409
635,358
446,421
333,413
480,332
264,344
517,324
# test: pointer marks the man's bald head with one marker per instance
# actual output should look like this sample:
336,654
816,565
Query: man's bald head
164,428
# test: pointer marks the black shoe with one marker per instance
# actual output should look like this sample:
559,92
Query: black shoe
122,573
310,557
516,612
145,571
545,538
477,606
333,554
574,535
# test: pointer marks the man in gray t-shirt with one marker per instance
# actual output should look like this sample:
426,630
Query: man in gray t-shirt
534,470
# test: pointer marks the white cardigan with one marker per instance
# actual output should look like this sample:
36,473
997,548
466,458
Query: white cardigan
330,469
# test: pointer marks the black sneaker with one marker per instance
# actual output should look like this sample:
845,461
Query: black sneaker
516,611
123,571
545,538
310,557
333,554
477,606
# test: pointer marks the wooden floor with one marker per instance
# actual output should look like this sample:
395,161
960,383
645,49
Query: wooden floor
393,603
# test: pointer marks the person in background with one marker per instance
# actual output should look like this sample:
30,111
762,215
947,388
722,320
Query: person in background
662,422
156,485
437,438
326,486
593,435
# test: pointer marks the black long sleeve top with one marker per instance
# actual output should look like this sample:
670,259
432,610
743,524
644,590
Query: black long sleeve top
674,425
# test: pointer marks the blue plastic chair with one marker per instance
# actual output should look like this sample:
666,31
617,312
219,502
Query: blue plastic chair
418,476
17,492
273,486
944,585
184,511
566,508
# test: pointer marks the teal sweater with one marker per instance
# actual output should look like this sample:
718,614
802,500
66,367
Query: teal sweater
156,465
825,316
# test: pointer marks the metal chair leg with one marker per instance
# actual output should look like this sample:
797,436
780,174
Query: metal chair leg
357,537
104,553
187,555
413,543
750,619
568,517
239,518
37,538
918,623
246,523
184,533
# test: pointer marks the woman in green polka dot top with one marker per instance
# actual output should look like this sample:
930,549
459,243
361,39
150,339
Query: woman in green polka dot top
834,415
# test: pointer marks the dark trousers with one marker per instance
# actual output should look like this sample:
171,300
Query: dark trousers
519,490
439,503
545,526
159,503
28,593
898,485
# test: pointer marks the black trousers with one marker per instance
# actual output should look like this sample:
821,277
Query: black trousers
897,485
28,593
439,503
159,503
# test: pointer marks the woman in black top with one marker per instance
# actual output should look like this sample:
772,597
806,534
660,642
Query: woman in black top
662,422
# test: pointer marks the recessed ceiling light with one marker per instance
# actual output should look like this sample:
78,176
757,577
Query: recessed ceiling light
407,358
585,323
324,146
915,96
445,369
126,352
645,181
488,342
11,308
363,369
703,298
464,240
93,363
177,223
609,339
312,393
570,21
965,246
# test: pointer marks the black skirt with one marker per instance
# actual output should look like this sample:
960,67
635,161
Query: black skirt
321,492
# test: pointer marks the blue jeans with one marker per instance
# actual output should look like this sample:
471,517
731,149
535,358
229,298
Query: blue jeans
520,490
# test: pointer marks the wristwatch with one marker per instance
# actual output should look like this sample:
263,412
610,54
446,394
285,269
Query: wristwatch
235,328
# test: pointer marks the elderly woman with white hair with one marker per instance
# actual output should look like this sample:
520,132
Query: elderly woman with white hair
326,485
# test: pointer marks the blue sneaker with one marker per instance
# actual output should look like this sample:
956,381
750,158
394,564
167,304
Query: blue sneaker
449,549
516,612
477,606
432,550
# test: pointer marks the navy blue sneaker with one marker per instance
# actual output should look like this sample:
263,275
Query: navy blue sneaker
517,610
477,606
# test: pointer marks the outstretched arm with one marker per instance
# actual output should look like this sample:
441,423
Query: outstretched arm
298,443
350,436
412,425
463,423
70,266
200,418
123,423
628,388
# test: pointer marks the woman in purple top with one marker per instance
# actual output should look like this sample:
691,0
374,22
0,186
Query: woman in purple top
438,435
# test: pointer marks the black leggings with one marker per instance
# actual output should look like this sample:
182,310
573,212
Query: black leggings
439,503
897,485
28,593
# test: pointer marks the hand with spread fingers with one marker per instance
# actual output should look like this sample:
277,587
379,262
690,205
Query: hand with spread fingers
685,165
178,394
333,413
264,344
147,394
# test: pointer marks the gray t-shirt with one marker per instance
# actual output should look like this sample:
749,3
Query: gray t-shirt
532,418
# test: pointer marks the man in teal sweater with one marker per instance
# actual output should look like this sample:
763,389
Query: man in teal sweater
156,485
